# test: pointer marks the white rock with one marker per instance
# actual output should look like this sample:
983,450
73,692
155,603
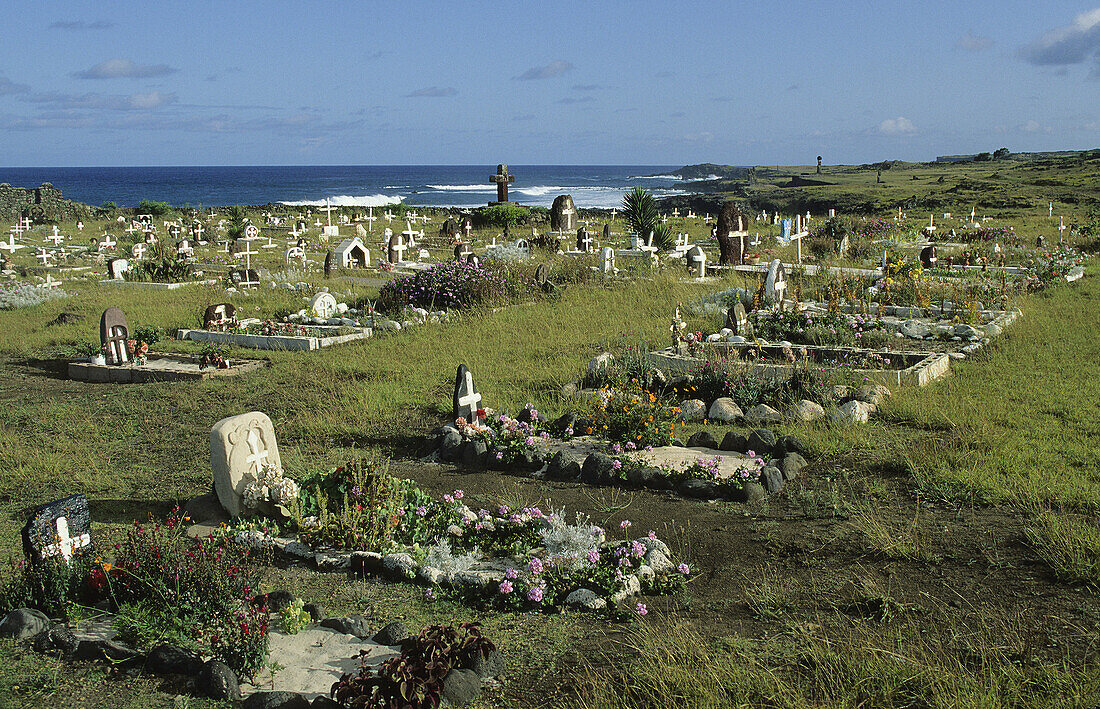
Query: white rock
400,565
915,329
725,410
584,598
762,414
853,412
631,587
600,362
658,561
341,308
805,410
736,339
714,338
725,332
693,410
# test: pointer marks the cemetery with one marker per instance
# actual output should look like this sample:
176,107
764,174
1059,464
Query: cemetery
621,421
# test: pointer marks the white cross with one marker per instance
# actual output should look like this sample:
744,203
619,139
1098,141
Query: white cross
397,248
566,211
133,228
613,212
11,246
43,256
79,226
1061,228
50,282
258,456
470,228
224,247
388,216
676,212
57,239
370,218
17,229
138,250
26,223
66,544
1050,211
472,399
410,233
197,230
107,243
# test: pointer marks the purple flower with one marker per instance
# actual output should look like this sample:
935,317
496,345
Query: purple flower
616,464
535,566
506,587
422,511
625,524
630,446
638,549
529,441
616,448
500,455
511,574
535,594
448,498
504,509
640,609
593,557
684,569
652,535
459,494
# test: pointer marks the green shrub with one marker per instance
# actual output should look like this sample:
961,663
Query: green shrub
157,209
500,215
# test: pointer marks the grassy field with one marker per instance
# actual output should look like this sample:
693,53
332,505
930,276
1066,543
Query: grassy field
944,555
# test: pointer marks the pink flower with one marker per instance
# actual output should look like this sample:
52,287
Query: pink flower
504,509
637,549
640,609
535,594
684,569
616,464
625,524
535,566
511,574
652,535
458,494
593,557
505,587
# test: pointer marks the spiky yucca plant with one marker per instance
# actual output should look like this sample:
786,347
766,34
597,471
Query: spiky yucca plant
641,215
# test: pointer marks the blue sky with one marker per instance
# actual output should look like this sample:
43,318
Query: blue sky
231,83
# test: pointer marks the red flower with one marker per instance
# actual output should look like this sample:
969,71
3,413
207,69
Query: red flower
481,413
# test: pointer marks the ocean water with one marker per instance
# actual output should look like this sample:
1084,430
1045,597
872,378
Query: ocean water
591,186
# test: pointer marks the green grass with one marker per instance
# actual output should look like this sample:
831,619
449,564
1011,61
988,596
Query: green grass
1069,544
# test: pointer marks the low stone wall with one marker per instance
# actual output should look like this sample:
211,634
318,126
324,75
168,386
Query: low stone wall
41,204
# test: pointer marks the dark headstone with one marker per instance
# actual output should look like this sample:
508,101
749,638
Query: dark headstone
393,634
542,273
737,320
731,248
928,256
449,229
113,333
330,263
218,316
473,260
462,251
248,278
607,232
584,243
59,528
467,400
563,214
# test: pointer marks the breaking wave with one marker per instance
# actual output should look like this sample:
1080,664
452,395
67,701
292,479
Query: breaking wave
346,200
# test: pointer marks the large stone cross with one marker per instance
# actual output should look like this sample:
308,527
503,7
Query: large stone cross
502,178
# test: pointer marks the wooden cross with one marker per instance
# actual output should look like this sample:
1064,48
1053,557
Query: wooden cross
116,342
502,179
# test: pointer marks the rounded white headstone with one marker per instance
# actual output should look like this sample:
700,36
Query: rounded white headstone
323,305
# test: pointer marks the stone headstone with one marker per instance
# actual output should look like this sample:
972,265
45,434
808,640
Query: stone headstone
542,274
462,251
117,266
239,448
785,230
730,231
249,278
928,256
330,262
607,259
449,230
775,287
467,400
323,305
218,316
113,333
563,214
607,232
696,260
584,241
473,260
737,320
62,528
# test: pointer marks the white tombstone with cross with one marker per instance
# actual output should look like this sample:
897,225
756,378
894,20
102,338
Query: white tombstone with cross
467,399
395,251
696,261
240,447
607,260
323,305
108,243
775,287
138,250
294,253
522,245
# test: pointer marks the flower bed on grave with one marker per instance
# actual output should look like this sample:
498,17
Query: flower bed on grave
275,335
16,295
625,439
189,610
358,517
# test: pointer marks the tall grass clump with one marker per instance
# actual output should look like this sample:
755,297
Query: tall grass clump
1069,544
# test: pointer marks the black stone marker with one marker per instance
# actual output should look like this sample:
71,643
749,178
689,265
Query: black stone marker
60,528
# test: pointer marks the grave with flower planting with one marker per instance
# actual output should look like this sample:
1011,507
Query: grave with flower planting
126,357
625,436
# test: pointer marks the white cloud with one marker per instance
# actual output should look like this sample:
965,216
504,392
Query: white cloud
545,72
1072,44
973,43
123,69
897,126
1034,126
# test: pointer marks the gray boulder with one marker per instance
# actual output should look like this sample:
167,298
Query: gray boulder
393,634
23,623
402,566
349,625
725,410
702,439
217,681
791,465
762,414
772,478
461,687
586,599
596,469
805,410
275,700
693,410
762,442
734,442
851,413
